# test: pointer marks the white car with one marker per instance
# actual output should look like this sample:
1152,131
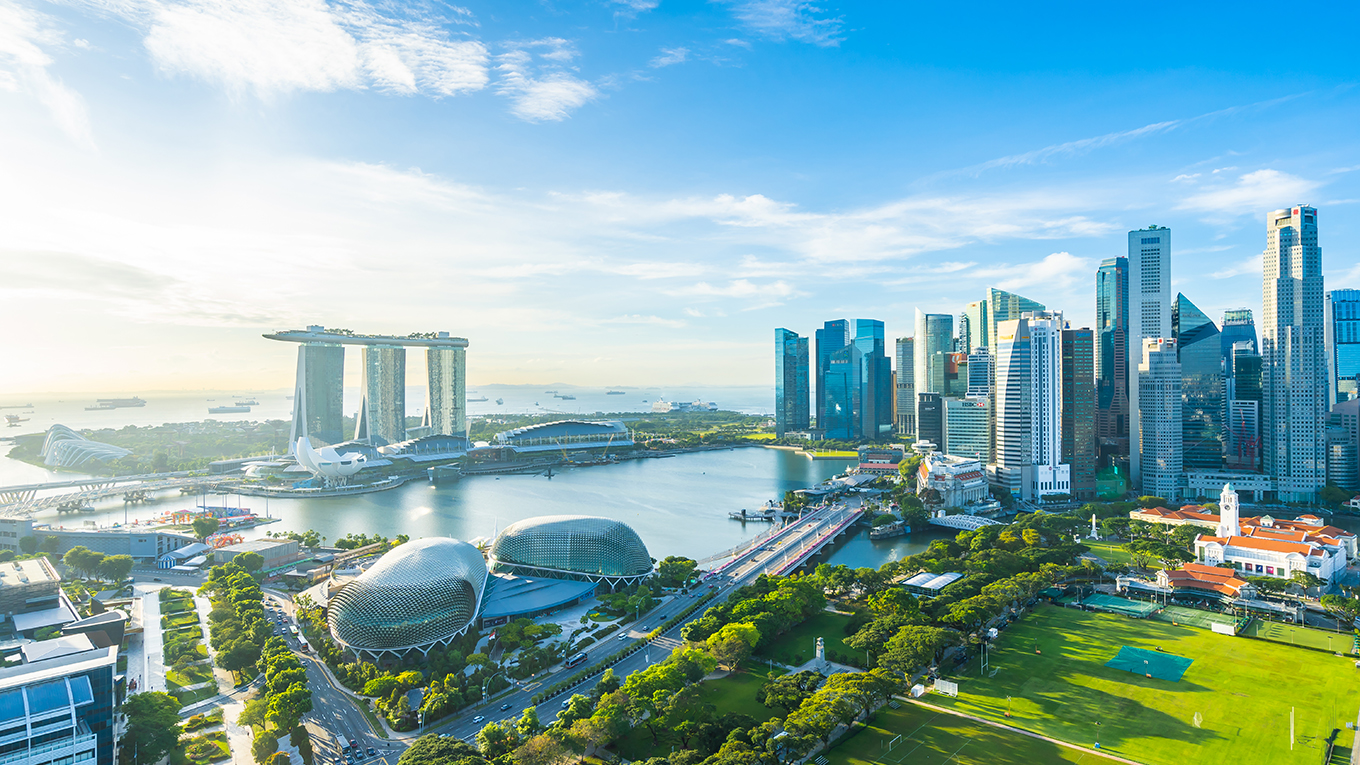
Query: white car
478,719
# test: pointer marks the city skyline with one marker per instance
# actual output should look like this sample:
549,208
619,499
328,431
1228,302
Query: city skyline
614,194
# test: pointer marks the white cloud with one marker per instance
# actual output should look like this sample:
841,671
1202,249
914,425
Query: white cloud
24,34
542,92
1059,270
637,5
81,43
798,20
1253,194
739,43
670,56
655,321
1250,266
1185,178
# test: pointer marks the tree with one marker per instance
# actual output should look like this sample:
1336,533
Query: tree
266,743
733,643
50,543
1341,608
865,690
152,726
914,647
1151,501
249,560
434,750
287,708
529,724
1333,495
789,691
278,758
83,559
253,713
675,571
1115,527
29,545
1184,535
494,740
894,601
116,568
205,527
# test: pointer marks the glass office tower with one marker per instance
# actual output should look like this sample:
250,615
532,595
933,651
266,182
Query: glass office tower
840,394
906,386
1112,360
1343,344
833,336
1201,358
790,382
1079,410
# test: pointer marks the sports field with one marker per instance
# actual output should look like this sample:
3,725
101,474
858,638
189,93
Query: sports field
928,736
1232,704
1289,633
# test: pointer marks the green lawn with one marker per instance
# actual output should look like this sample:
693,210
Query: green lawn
928,736
1233,703
1338,642
190,697
183,619
799,645
1111,552
192,675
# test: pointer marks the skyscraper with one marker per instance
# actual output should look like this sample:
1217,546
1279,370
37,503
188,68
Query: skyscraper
446,390
906,387
979,374
876,399
1244,408
833,336
382,408
1200,352
1342,322
1293,356
973,326
1112,360
1004,306
1238,326
840,394
1078,410
965,428
1028,405
1159,423
1149,310
930,419
318,394
791,397
934,339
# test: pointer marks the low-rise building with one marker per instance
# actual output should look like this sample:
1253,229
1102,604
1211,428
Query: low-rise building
278,554
1225,582
1258,549
1189,515
58,704
31,598
144,545
960,481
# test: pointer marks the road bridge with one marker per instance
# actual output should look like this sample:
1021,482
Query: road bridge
964,522
22,504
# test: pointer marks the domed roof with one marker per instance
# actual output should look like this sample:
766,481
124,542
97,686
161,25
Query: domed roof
573,543
421,593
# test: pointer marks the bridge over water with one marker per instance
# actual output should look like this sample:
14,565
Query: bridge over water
964,522
23,501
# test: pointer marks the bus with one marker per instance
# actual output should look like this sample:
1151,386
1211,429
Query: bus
303,645
575,661
293,630
342,742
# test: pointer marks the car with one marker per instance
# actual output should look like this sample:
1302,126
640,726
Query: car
623,637
372,752
155,579
478,719
504,707
566,703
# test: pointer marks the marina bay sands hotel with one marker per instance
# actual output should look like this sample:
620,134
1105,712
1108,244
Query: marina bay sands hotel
318,398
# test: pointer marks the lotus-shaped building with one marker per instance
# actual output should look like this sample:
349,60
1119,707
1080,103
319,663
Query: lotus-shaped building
421,595
572,546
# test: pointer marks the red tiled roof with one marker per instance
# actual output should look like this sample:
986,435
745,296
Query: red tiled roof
1201,577
1254,543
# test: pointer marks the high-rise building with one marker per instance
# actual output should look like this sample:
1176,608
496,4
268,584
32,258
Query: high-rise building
1004,306
791,395
934,340
1159,422
1079,409
1342,322
833,336
1293,356
973,327
318,394
1112,360
1202,390
1243,447
979,374
1149,311
1028,431
930,419
840,394
906,386
1238,326
956,374
965,428
61,702
876,418
446,390
1343,445
382,387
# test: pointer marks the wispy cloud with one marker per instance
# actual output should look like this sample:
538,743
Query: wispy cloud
655,321
798,20
669,57
1250,266
25,35
1251,194
542,92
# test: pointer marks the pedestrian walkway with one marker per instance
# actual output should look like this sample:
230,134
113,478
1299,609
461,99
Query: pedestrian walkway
153,640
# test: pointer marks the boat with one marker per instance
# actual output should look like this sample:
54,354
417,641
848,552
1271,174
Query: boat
889,530
17,406
479,398
500,401
566,397
248,402
227,409
613,393
118,403
13,420
551,391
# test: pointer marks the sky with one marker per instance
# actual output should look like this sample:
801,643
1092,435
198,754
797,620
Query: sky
629,192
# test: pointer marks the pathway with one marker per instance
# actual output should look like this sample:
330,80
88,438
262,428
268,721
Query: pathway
153,640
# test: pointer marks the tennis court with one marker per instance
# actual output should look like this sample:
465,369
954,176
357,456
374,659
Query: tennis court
1193,617
1293,634
1102,602
1163,666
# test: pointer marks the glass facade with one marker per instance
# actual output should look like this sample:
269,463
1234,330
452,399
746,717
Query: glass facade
382,412
1005,306
930,419
876,398
791,395
1343,343
973,327
906,386
572,544
421,594
1111,360
833,336
1078,410
1201,358
1243,448
446,391
62,720
842,388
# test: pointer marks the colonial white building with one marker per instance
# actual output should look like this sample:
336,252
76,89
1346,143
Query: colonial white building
959,480
1274,548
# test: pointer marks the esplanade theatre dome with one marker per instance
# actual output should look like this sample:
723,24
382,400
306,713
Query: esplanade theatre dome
421,594
573,545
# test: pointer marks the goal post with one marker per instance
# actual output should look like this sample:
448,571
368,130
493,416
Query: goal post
946,687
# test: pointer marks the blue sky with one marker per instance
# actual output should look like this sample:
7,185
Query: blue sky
628,192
